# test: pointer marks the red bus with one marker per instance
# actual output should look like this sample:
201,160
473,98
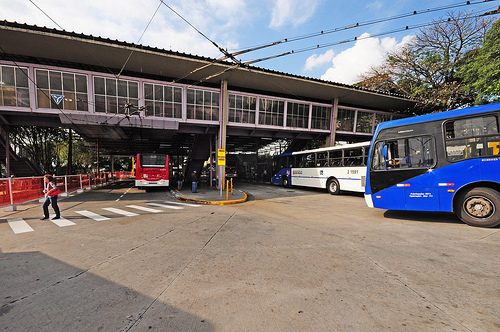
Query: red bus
151,170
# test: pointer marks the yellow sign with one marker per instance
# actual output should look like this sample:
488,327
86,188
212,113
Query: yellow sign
221,161
221,152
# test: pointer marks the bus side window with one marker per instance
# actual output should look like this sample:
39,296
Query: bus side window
336,158
493,146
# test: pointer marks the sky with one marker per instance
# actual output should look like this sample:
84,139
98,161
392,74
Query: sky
236,25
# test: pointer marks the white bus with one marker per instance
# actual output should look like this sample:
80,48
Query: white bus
334,168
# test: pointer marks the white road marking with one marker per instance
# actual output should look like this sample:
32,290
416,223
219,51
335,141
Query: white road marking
122,212
62,222
166,206
184,204
92,215
144,208
18,225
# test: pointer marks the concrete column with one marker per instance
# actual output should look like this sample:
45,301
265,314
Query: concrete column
7,152
223,110
333,122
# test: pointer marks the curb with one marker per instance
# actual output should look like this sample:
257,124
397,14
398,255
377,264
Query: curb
208,202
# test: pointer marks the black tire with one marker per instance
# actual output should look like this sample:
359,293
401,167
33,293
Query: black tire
479,207
333,186
284,181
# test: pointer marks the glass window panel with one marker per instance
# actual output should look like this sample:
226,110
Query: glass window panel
122,101
21,77
485,125
168,94
133,101
111,104
122,88
81,83
177,111
148,91
158,92
69,102
364,122
82,102
345,120
178,95
43,98
8,76
149,108
55,80
42,79
110,87
68,82
190,96
492,144
99,86
133,89
23,97
100,103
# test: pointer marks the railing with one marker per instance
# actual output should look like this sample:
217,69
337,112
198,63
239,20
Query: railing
20,190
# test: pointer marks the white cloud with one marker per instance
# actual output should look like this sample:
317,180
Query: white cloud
318,60
126,20
366,53
294,12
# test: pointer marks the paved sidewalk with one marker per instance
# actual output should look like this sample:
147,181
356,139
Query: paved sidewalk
210,195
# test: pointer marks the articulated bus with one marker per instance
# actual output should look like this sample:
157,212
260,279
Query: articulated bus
151,170
334,168
448,162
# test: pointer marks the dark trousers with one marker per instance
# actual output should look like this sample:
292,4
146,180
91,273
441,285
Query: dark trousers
51,200
194,186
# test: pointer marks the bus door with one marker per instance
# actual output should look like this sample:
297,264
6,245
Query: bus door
404,180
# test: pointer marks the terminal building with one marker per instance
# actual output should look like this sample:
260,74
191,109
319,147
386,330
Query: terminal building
130,99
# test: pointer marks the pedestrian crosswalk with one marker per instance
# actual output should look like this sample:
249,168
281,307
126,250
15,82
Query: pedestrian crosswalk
19,225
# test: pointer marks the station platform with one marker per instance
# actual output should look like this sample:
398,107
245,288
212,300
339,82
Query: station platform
210,195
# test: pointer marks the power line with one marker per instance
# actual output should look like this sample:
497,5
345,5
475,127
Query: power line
357,25
142,35
320,46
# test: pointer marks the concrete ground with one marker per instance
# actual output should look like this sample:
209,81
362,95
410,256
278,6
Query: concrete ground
288,259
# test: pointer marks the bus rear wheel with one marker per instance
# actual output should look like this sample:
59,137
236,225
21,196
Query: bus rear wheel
333,186
480,207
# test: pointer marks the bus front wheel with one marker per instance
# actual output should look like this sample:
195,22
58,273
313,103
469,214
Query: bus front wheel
284,181
333,186
480,207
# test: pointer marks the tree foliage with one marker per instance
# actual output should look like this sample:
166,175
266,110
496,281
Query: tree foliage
426,68
481,70
48,148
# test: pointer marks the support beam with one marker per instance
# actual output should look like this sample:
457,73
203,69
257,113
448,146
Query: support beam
222,128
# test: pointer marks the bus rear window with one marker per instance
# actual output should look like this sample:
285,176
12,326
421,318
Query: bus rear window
153,160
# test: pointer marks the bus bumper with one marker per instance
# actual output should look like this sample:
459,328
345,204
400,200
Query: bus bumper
144,183
368,200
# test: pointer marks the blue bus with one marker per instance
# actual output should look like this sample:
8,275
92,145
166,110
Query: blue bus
448,162
334,168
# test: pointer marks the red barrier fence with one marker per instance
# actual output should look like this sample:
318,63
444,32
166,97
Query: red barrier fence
21,190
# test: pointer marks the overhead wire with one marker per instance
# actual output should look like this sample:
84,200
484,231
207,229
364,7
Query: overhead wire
358,25
319,46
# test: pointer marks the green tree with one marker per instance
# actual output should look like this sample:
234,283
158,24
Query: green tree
42,144
482,68
426,69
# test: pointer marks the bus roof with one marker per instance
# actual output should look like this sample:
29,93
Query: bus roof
439,116
330,148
